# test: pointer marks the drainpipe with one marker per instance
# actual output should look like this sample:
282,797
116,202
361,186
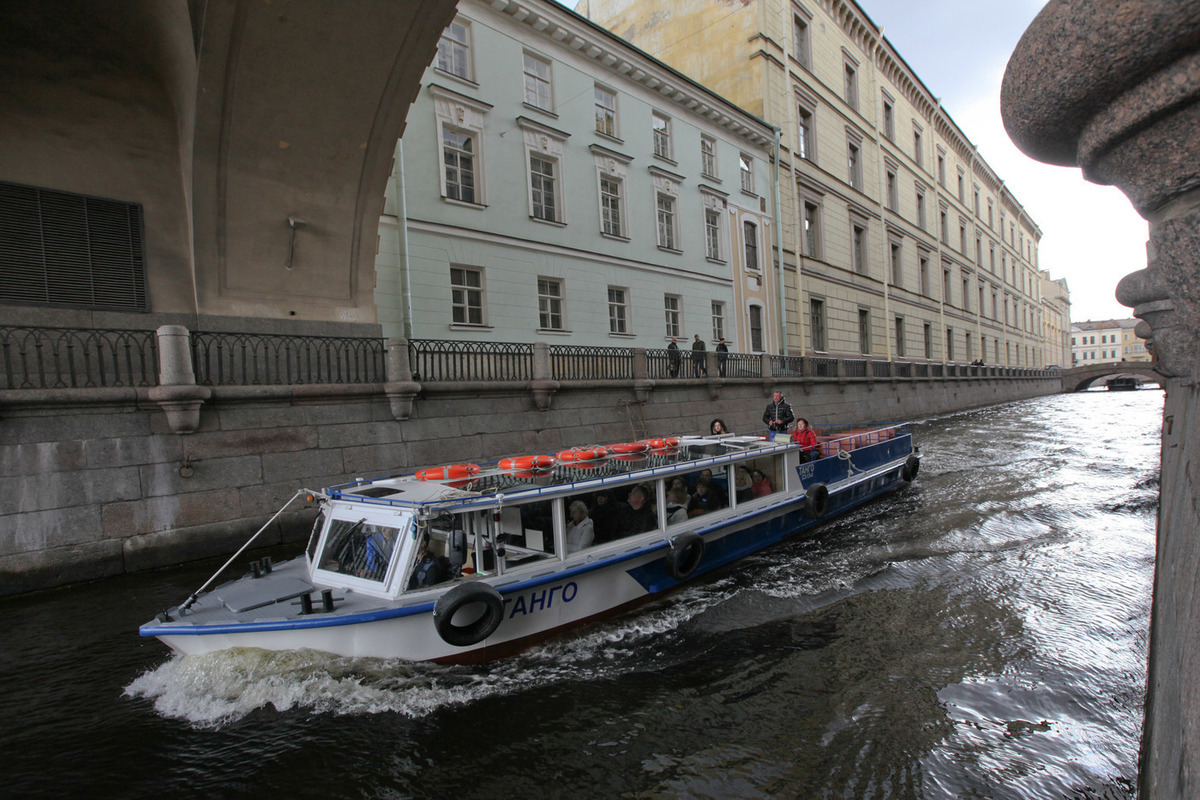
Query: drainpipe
398,188
779,248
941,273
884,241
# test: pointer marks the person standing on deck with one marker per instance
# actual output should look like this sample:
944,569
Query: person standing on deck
778,415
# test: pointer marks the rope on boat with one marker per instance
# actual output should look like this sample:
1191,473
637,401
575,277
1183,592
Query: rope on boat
196,594
844,455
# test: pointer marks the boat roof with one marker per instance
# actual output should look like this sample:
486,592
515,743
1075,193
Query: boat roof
493,484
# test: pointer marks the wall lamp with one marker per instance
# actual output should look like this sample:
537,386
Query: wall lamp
293,224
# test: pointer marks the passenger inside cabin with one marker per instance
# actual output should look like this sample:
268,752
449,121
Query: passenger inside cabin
716,487
677,503
742,483
580,530
429,570
703,501
604,517
380,542
636,514
761,485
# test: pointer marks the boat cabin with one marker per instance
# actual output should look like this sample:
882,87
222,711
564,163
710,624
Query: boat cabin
400,536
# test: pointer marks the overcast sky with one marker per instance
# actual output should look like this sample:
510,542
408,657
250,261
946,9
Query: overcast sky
1090,234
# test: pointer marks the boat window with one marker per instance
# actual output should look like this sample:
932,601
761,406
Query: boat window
707,492
359,548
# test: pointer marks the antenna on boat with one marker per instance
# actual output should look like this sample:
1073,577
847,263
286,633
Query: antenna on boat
308,494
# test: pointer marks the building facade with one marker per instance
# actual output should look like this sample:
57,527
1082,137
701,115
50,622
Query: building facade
555,184
1056,321
898,240
1106,341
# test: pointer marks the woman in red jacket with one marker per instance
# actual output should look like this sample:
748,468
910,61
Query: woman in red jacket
805,436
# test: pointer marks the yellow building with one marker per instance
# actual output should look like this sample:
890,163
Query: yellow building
897,240
1106,341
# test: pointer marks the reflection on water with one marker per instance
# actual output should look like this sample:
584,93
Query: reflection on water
982,634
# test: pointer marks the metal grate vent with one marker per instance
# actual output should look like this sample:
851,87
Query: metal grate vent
63,249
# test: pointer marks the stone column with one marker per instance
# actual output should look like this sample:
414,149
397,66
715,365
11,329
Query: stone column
1113,87
177,393
543,385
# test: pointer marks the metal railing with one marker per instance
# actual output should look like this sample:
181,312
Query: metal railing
266,359
787,366
741,365
573,363
447,360
72,358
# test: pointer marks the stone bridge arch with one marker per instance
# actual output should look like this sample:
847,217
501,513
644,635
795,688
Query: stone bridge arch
1077,379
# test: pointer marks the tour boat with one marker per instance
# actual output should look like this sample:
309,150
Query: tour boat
469,562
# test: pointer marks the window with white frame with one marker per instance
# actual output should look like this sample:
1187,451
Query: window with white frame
611,171
661,127
756,329
893,189
920,207
458,162
801,43
718,320
895,253
459,122
746,166
712,234
618,310
941,168
665,221
544,159
543,188
708,156
666,209
466,296
923,273
606,111
918,145
962,185
672,313
454,50
550,304
537,82
889,116
750,240
611,207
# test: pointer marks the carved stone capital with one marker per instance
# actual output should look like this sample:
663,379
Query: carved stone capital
181,404
401,395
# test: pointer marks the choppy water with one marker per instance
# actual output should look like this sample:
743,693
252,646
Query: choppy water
979,635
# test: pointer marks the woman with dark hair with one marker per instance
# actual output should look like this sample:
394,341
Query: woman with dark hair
807,437
718,427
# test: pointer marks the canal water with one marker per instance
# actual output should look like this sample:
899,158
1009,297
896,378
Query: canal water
981,634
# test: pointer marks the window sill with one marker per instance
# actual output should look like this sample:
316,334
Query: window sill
552,222
610,137
712,260
615,237
555,331
464,326
670,250
461,79
613,335
541,110
464,203
666,159
713,178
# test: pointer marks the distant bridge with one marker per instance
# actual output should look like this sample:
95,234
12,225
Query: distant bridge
1078,379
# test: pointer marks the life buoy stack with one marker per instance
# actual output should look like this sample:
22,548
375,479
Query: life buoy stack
816,503
912,465
479,609
684,555
656,445
629,451
454,472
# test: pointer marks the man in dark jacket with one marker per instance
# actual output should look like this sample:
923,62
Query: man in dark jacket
778,415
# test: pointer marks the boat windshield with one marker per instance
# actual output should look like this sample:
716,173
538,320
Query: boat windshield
359,548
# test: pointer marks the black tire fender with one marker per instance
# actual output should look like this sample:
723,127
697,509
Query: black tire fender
910,469
684,555
457,599
817,501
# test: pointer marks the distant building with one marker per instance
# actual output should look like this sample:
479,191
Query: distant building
556,184
1106,341
1056,321
898,240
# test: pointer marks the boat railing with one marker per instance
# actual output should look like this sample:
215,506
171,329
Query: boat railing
263,359
76,358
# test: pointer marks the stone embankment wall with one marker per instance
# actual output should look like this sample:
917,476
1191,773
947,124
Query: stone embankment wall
96,482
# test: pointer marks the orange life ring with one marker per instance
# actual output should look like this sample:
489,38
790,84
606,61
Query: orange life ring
577,455
628,448
453,472
527,463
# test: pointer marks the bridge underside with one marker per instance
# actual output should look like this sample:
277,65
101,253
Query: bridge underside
1080,379
222,119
